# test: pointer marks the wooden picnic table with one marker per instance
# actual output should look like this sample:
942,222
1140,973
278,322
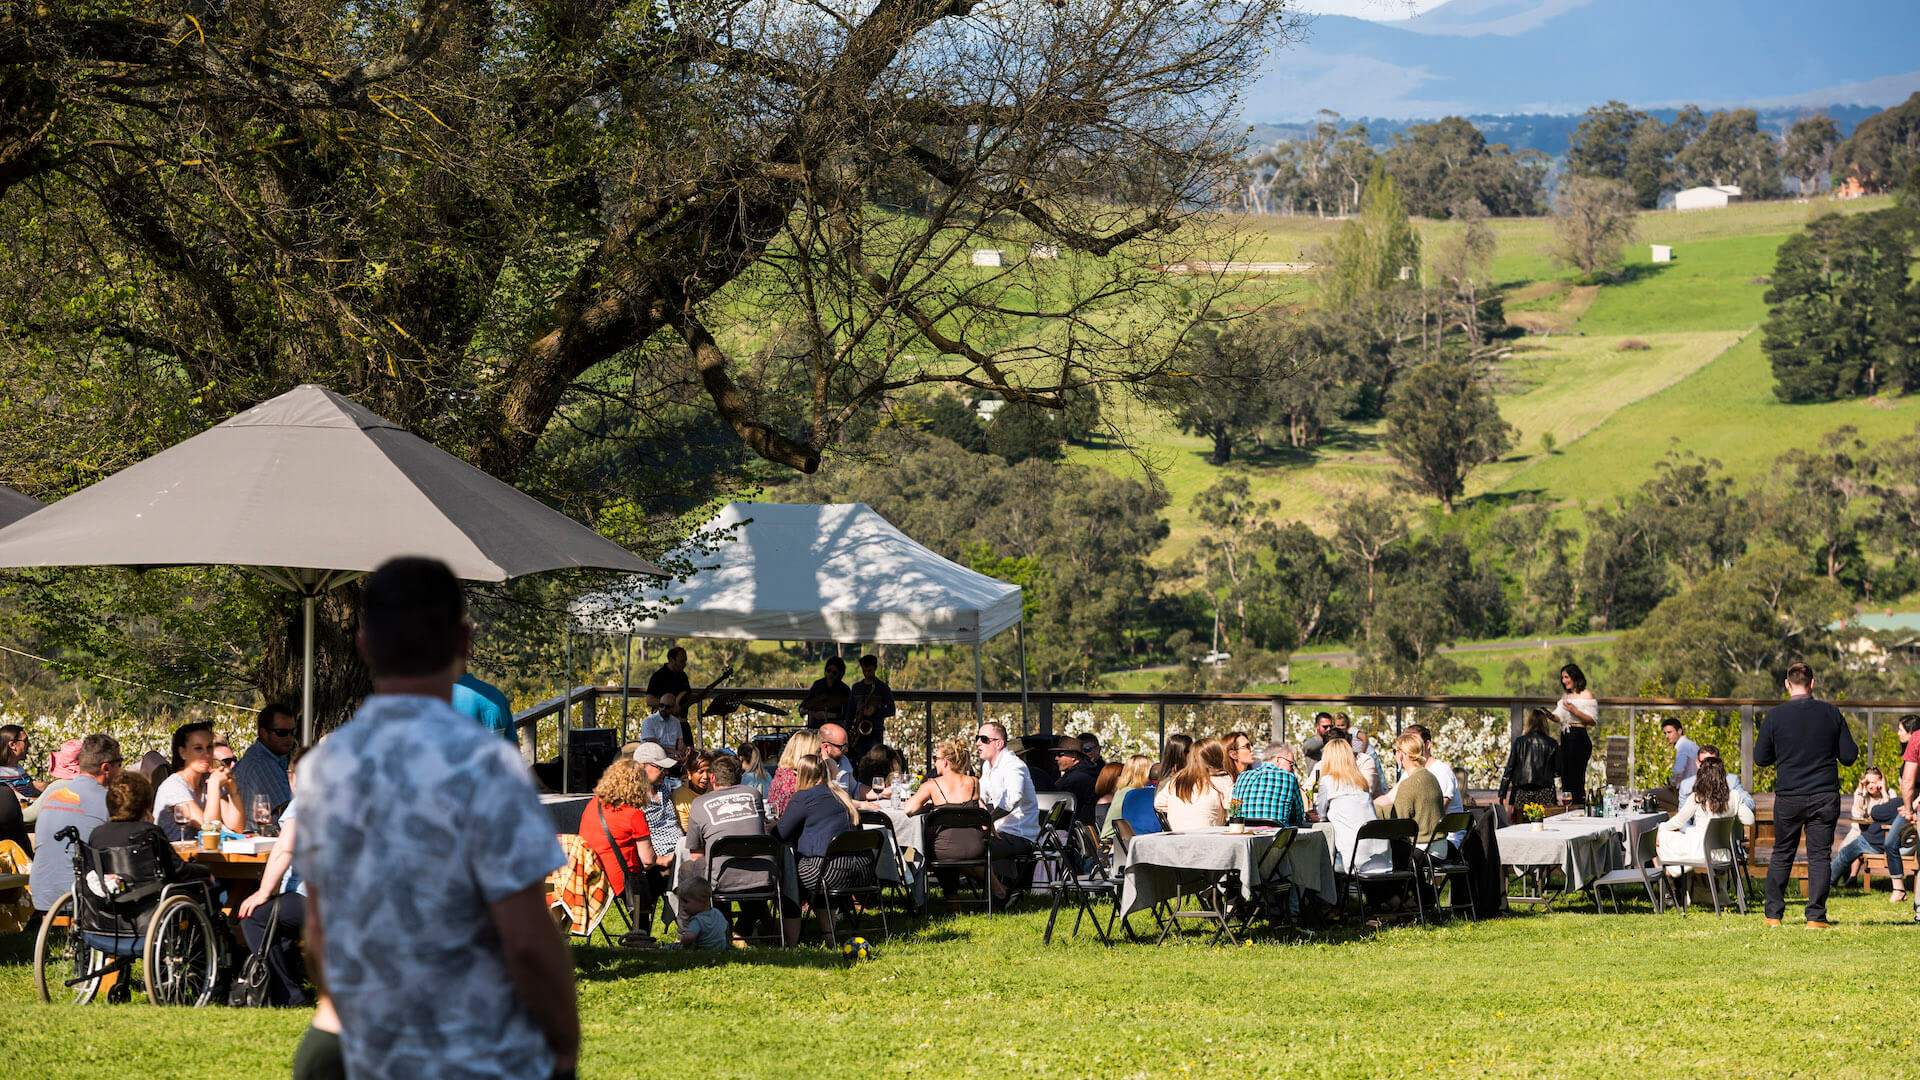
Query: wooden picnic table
241,871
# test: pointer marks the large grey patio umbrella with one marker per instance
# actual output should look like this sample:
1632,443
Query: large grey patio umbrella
310,490
14,506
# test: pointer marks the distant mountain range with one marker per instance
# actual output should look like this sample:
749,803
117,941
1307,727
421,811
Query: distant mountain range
1495,57
1549,133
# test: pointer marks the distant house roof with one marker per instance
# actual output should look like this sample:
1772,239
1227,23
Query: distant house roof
1730,190
1908,621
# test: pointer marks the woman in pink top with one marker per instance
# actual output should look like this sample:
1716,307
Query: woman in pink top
1198,795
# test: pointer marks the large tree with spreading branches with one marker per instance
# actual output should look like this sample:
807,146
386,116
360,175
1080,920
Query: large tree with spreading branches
541,233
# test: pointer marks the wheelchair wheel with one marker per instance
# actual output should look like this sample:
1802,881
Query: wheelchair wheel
59,955
182,960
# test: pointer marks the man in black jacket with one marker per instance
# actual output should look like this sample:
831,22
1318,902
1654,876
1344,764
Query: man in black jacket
1806,740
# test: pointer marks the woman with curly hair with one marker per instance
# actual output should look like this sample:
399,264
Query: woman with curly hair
614,825
780,790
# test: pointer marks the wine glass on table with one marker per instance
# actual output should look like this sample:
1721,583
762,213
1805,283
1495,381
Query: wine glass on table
1562,796
262,816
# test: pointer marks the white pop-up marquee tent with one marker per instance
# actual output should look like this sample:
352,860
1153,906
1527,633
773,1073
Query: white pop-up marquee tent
791,572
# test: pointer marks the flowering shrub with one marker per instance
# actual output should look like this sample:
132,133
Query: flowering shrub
137,734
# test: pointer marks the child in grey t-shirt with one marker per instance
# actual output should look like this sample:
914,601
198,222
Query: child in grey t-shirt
701,927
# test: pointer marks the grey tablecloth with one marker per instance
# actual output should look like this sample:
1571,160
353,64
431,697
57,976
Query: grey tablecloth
1582,847
1161,866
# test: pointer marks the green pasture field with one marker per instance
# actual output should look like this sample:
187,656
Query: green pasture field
1569,993
1701,383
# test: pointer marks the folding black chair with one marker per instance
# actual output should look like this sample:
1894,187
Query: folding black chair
737,857
868,845
1399,835
1445,865
1090,877
1272,889
951,872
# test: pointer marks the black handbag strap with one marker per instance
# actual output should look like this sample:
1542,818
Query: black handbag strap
625,870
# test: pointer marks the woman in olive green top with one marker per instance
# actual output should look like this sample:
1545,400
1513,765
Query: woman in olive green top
1417,796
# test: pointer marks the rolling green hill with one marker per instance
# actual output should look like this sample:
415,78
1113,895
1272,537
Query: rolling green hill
1701,383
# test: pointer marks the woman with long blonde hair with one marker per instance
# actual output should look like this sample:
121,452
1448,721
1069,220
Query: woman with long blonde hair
818,812
1346,799
952,784
1197,796
781,790
1136,780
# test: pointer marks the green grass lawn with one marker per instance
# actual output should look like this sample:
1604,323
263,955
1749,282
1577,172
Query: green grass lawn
1725,410
1562,994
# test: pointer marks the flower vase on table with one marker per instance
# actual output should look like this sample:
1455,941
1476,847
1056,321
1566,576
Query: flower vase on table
1234,824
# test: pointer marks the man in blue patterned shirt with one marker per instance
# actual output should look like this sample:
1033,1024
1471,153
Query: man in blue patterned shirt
1269,791
425,850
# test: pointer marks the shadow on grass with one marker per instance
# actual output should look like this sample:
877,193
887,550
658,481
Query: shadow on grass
1336,440
1633,272
601,962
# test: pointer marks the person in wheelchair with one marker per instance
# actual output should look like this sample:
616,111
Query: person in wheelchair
134,898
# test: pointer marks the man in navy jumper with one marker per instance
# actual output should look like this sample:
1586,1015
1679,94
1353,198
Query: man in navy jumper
1806,740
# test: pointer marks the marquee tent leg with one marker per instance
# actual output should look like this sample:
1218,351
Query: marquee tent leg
1020,639
626,685
979,692
566,716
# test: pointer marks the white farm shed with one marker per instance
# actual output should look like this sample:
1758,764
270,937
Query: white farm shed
1715,197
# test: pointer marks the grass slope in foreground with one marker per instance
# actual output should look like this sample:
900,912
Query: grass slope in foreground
1563,994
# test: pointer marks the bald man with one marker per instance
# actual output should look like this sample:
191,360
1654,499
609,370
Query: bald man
833,745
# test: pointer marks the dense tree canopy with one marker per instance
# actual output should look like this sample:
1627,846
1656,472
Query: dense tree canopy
1845,315
640,223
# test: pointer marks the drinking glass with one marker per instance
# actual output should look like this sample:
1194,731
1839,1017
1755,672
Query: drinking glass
262,816
183,826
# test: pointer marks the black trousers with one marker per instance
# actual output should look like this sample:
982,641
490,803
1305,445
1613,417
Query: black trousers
1817,816
1008,851
284,964
1576,749
644,889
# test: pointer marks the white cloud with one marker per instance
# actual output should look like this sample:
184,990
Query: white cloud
1378,10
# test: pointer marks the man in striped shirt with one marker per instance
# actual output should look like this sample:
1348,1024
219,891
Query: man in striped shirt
1269,791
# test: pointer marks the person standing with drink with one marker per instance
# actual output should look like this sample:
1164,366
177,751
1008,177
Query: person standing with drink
1806,740
1576,710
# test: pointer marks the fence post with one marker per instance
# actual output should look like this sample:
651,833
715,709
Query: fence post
1163,727
1515,720
1871,715
1746,747
1046,715
1277,721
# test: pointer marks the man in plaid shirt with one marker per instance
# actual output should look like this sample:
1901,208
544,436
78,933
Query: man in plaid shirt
1269,791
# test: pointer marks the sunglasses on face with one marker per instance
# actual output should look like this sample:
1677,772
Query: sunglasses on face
224,760
280,732
834,745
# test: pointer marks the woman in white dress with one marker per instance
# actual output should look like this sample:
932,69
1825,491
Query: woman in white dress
1345,799
1577,710
1683,836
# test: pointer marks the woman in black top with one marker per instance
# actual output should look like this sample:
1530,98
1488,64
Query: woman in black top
129,805
1533,764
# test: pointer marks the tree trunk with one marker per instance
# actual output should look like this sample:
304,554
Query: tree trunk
340,677
1222,447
